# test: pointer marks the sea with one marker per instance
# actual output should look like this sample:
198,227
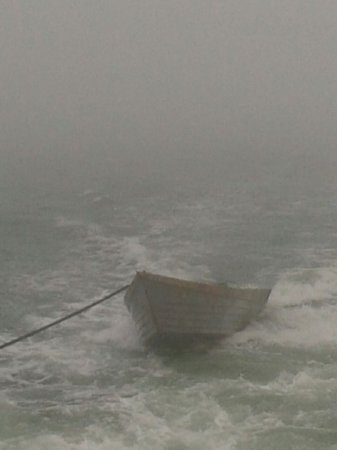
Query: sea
90,384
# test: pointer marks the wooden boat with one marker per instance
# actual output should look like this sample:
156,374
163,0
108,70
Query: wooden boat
173,311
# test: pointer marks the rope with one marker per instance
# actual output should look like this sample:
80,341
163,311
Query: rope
62,319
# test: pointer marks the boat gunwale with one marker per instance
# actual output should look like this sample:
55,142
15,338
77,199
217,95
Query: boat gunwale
205,287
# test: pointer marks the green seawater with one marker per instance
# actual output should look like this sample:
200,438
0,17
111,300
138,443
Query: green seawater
90,384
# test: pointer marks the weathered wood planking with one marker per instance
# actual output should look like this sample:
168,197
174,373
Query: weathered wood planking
166,308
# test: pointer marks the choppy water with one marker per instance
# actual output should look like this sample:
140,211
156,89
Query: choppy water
90,384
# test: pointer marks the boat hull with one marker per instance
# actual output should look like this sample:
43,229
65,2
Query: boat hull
177,312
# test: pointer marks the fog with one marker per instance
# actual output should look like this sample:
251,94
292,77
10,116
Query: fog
169,91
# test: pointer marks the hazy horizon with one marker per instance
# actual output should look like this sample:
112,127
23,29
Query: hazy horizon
165,89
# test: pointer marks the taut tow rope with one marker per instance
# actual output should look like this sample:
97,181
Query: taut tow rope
62,319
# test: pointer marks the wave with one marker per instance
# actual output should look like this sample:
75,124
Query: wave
301,312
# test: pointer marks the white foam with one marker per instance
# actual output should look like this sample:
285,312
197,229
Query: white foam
65,222
304,285
58,442
302,311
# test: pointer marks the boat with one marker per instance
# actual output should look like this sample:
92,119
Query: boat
169,310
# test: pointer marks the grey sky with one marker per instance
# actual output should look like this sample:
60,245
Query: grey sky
122,81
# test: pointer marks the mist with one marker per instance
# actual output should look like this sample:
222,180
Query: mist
170,93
